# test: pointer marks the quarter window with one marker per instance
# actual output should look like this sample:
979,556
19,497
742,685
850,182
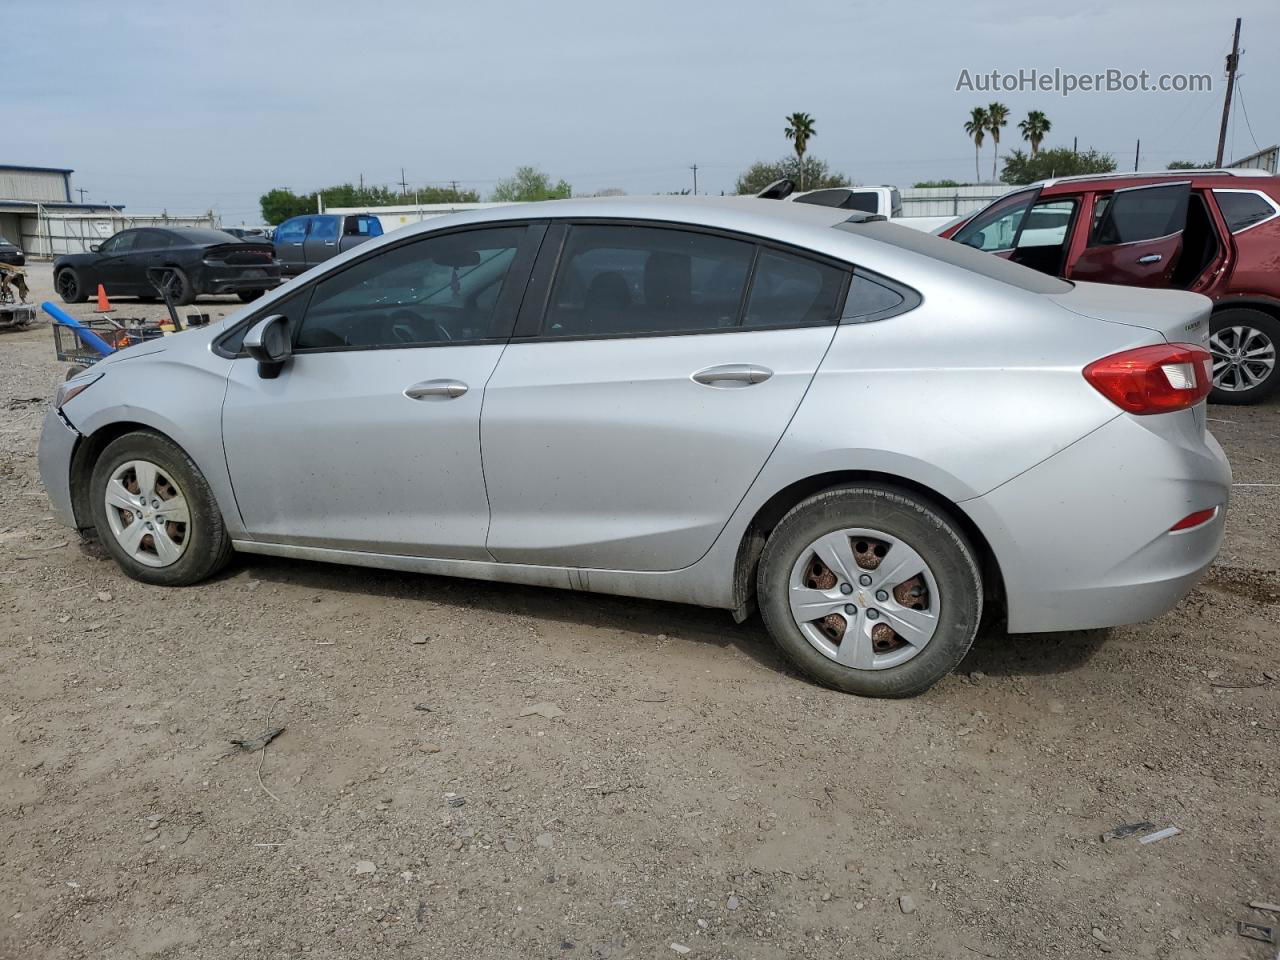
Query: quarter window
788,291
438,290
869,299
618,280
1243,209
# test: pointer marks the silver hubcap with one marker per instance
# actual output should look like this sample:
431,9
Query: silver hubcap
864,598
148,513
1242,358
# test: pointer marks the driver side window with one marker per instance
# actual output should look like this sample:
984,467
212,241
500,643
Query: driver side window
434,291
997,228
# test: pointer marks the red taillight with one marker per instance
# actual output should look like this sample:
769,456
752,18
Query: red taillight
1194,519
1161,379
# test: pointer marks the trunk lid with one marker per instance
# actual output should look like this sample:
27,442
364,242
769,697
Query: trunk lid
247,254
1178,316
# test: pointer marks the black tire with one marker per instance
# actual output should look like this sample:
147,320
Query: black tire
917,523
208,545
69,286
1267,327
183,292
248,296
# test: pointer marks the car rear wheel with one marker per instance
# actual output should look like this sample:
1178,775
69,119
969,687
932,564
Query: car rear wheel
870,590
248,296
69,287
180,288
1244,344
155,513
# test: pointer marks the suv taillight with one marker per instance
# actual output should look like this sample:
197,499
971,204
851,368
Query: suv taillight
1161,379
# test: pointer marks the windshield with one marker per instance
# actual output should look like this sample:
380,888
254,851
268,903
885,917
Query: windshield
958,255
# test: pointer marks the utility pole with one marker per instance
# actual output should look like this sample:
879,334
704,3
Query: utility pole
1136,150
1075,143
453,185
694,168
82,191
362,183
1233,63
404,187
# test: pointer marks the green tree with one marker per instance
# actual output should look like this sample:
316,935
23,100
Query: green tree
1190,165
997,117
976,127
1034,128
815,174
925,184
1020,169
800,130
280,204
530,183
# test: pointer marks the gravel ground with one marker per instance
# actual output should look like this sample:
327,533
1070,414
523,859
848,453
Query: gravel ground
470,769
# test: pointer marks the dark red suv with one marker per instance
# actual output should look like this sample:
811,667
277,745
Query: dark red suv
1212,232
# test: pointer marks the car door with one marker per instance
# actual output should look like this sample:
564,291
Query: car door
290,238
997,228
148,253
357,228
653,371
322,239
368,440
113,267
1136,236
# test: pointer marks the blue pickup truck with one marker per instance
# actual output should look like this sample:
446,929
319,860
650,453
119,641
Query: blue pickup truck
302,242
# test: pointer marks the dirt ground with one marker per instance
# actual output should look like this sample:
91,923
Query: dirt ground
477,770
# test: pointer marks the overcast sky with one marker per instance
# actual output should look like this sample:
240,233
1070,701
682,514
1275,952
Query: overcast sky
184,106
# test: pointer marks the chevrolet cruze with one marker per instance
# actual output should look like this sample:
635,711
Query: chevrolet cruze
876,437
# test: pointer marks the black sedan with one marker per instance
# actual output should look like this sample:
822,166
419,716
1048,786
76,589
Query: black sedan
11,253
198,259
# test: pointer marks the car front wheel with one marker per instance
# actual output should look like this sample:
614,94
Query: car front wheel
155,513
69,287
870,590
1244,344
248,296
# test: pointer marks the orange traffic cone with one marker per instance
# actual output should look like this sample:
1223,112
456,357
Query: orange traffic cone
104,305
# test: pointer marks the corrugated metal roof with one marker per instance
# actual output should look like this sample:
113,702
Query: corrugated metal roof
25,169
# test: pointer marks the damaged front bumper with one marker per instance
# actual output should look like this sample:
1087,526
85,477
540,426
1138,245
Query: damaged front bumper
57,444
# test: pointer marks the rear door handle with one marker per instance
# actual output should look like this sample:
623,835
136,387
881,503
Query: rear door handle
1151,258
733,375
436,390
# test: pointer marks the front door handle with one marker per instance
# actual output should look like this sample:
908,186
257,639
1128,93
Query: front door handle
1151,258
732,375
436,390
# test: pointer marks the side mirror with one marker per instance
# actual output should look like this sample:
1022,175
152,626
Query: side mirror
95,247
268,342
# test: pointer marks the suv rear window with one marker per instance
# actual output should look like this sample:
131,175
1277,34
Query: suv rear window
958,255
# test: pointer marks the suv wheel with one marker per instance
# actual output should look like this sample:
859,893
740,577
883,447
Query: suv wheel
870,590
1244,344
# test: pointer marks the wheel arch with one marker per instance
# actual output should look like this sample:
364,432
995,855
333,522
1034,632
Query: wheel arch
86,453
777,506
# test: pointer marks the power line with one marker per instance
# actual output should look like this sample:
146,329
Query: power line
1245,111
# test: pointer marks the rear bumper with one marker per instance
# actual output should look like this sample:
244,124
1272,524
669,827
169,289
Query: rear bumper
13,259
235,279
57,443
1083,539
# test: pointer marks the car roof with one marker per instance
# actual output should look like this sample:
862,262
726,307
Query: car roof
1241,179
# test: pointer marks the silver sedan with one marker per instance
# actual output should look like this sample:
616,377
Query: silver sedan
878,438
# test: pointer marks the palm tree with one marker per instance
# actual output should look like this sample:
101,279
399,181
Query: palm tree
800,129
1034,128
976,127
997,117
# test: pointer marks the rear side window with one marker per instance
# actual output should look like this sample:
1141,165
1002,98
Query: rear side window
958,255
789,291
1243,209
619,280
324,228
872,299
1143,213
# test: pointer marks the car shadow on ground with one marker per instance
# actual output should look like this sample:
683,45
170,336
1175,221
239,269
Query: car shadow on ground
995,652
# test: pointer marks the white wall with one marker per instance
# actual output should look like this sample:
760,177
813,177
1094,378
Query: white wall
393,218
54,234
